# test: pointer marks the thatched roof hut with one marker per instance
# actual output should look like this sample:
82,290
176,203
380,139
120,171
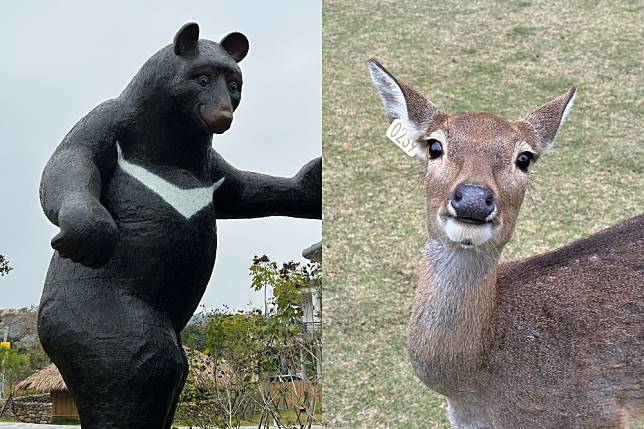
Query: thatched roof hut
45,380
50,380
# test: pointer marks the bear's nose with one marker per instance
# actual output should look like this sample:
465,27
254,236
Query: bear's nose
218,119
222,119
472,203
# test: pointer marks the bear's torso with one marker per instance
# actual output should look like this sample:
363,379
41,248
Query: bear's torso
167,241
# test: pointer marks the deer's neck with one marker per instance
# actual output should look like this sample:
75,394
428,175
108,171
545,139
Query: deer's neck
450,327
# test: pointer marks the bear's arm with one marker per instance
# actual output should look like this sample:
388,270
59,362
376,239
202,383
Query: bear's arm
82,162
245,194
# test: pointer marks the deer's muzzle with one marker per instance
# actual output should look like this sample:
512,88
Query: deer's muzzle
473,203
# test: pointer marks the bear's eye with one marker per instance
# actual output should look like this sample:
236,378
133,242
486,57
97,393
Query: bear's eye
523,160
233,86
203,80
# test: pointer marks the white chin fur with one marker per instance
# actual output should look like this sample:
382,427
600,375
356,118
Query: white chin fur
465,234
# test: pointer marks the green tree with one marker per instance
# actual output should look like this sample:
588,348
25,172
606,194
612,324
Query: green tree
14,366
194,336
258,352
287,282
291,356
237,335
38,359
233,340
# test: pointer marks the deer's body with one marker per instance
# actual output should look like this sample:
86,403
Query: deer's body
555,341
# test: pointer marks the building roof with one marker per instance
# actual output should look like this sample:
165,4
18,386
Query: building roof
45,380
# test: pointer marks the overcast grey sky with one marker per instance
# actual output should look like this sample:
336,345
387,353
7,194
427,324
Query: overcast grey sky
60,59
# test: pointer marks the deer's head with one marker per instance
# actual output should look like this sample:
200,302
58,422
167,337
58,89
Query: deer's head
477,164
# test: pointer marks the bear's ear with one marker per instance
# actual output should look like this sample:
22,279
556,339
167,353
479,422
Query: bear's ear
236,44
185,41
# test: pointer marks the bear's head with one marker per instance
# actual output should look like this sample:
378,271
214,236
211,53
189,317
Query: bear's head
197,83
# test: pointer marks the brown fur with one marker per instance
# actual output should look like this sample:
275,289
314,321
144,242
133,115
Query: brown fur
553,341
556,342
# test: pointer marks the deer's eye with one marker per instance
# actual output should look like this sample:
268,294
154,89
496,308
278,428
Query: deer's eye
523,160
434,148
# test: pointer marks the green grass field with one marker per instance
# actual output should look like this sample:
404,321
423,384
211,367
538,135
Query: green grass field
507,57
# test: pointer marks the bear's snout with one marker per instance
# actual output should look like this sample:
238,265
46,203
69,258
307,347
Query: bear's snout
216,118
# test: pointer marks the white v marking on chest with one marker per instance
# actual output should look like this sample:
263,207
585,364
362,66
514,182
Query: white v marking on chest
186,201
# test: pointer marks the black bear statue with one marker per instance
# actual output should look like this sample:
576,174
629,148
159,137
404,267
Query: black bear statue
136,188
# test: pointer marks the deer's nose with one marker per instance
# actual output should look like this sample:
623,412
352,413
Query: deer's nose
472,203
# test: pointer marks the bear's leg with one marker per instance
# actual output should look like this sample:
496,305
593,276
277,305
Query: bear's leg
120,358
143,400
175,402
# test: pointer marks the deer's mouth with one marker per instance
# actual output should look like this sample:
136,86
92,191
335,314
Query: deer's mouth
490,218
468,232
469,220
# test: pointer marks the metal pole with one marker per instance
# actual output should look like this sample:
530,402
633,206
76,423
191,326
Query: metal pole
2,378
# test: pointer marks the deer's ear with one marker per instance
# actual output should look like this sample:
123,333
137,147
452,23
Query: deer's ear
547,119
402,102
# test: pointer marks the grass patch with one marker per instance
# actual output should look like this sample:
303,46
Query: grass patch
499,56
521,30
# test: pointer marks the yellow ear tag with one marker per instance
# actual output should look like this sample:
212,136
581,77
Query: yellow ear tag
397,134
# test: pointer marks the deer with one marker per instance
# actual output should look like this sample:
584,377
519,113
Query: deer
552,341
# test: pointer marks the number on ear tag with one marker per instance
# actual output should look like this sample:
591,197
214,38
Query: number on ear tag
397,134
